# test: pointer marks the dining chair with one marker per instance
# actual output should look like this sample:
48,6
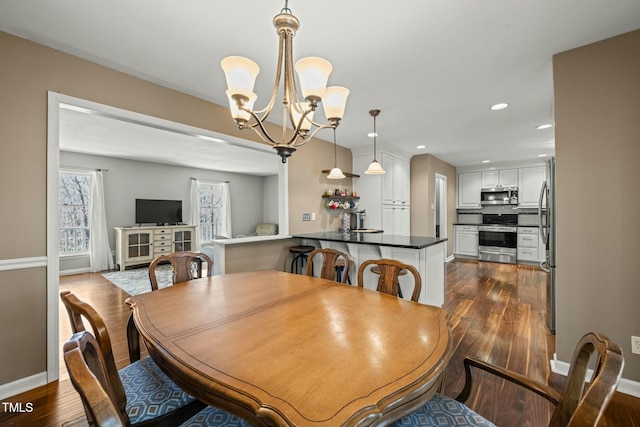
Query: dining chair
335,264
89,375
186,266
577,405
388,271
139,391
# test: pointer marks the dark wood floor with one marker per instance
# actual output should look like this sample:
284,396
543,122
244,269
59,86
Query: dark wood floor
496,313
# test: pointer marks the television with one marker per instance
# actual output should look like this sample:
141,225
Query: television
158,212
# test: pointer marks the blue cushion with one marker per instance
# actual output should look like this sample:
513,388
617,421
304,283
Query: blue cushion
211,416
442,411
150,393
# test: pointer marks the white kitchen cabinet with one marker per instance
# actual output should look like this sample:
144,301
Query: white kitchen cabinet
500,178
395,182
466,239
469,190
529,185
380,194
396,220
529,244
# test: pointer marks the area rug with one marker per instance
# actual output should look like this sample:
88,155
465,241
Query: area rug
136,281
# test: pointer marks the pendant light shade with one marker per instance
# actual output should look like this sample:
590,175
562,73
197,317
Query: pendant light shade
336,172
374,168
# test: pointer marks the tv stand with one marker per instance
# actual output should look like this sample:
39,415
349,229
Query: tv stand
141,245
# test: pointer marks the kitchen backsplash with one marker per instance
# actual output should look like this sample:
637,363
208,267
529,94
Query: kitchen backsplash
526,216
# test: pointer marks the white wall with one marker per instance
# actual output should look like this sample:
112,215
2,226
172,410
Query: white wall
254,199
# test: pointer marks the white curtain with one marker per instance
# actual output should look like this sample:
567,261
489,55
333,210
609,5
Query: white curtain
195,209
225,214
101,257
226,210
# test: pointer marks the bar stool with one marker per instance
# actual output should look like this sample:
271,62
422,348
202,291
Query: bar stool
339,270
300,255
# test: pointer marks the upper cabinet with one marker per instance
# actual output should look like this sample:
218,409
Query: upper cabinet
383,196
500,178
469,190
530,180
395,182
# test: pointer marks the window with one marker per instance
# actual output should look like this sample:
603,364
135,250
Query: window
74,209
211,200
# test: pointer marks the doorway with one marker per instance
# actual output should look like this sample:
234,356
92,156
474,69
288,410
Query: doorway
440,206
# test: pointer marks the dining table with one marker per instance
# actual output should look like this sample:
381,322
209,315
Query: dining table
283,349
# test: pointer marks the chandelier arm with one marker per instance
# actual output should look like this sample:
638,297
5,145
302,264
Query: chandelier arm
269,107
310,136
258,127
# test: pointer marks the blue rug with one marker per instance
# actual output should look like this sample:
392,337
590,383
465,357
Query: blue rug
136,281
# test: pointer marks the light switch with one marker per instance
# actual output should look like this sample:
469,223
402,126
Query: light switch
306,217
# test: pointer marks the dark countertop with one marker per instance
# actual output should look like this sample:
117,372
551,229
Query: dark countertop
378,239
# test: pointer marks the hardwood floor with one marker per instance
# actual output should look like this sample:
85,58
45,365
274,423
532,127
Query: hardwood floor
496,313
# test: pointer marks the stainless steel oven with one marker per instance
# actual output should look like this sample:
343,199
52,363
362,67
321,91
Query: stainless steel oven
498,238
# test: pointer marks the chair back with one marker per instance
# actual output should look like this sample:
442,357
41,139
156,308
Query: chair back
389,270
186,266
332,259
79,310
584,406
87,371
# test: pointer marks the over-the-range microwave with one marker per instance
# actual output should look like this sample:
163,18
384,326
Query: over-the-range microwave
499,196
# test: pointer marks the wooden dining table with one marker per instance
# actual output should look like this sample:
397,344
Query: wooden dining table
290,350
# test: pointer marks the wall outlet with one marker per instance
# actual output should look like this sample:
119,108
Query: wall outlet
306,217
635,345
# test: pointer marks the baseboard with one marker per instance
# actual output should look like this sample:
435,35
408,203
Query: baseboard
22,385
74,271
450,258
632,388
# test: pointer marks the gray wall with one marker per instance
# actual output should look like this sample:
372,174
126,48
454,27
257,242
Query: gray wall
597,111
253,198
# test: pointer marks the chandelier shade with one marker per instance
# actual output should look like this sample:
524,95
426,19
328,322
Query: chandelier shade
298,124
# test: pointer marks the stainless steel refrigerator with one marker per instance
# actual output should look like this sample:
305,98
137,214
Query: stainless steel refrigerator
547,218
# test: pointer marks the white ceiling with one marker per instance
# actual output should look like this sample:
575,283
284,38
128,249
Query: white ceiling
433,67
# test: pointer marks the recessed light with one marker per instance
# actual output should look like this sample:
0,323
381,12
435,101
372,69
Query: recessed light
486,161
544,126
420,147
500,106
372,134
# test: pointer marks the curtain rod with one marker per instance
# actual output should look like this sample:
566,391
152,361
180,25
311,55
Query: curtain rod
213,182
83,169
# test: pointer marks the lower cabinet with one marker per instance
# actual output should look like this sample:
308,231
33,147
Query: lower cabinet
466,240
529,245
140,245
396,220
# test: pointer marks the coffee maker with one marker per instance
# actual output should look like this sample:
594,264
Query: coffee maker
357,220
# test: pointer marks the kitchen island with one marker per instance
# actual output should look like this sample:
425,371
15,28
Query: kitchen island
426,254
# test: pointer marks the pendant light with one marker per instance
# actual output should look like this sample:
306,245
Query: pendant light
335,173
374,168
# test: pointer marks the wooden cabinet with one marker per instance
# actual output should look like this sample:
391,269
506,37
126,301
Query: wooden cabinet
529,185
466,240
140,245
529,245
500,178
469,190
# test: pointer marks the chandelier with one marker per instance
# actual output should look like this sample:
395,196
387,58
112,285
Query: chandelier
313,73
